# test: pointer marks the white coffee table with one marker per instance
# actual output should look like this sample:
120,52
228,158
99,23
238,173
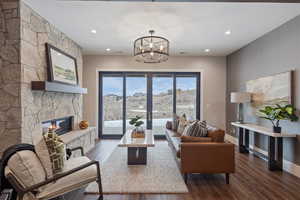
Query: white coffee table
137,147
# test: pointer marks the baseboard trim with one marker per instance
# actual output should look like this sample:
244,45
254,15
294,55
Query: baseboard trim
292,168
288,166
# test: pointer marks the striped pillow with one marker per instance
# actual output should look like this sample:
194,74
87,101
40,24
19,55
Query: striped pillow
202,129
198,129
189,128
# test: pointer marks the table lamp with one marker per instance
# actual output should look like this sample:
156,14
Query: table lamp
240,98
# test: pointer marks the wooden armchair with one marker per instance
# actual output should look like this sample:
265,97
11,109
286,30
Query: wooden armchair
25,173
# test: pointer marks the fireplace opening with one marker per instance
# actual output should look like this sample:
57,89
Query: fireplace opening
62,125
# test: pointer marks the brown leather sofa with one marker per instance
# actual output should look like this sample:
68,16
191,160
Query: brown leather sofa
207,155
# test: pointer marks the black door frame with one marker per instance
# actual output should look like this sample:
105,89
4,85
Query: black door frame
149,76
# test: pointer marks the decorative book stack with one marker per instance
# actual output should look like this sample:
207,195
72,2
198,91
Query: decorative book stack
138,133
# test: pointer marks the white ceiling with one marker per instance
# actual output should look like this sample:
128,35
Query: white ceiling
190,27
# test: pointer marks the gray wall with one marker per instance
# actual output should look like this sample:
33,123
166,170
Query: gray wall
275,52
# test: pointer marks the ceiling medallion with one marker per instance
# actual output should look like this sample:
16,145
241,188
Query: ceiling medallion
151,49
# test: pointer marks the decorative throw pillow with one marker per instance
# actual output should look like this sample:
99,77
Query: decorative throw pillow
182,124
169,125
42,152
56,148
188,128
200,129
51,152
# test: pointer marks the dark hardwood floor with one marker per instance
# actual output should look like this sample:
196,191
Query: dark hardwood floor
252,180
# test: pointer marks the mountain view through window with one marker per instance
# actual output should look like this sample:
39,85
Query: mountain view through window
136,101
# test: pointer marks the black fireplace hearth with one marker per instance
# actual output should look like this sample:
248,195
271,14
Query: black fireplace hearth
62,125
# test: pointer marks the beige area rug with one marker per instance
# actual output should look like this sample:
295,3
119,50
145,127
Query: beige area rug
160,176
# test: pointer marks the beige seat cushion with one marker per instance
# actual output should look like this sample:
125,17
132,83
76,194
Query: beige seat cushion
28,196
173,138
176,143
27,168
70,182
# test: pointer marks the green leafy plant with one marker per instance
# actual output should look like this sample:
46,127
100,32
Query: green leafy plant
278,112
136,121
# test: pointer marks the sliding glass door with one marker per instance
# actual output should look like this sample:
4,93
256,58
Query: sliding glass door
136,98
186,96
162,101
154,96
112,104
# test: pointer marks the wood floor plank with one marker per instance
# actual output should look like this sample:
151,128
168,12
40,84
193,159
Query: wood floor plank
252,181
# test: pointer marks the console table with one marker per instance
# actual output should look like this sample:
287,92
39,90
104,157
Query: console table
275,148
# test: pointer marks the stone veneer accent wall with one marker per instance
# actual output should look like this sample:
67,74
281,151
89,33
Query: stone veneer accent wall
10,73
23,34
40,106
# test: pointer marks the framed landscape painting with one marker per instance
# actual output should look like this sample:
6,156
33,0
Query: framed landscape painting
62,67
270,90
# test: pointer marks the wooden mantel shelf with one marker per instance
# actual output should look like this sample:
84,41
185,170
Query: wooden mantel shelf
57,87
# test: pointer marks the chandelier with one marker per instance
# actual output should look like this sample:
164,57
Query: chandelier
151,49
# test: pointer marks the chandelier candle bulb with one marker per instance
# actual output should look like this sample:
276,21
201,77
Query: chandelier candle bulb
228,32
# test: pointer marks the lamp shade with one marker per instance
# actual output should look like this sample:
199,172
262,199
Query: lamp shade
240,97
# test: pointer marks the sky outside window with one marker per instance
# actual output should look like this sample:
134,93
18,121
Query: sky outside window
114,85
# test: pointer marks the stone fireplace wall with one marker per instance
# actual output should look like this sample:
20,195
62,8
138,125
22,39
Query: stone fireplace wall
41,106
23,34
10,74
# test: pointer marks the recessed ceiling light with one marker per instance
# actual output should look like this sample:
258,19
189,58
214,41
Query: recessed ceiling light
228,32
207,50
108,49
93,31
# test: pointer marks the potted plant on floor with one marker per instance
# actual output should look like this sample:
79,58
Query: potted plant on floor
138,131
277,113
